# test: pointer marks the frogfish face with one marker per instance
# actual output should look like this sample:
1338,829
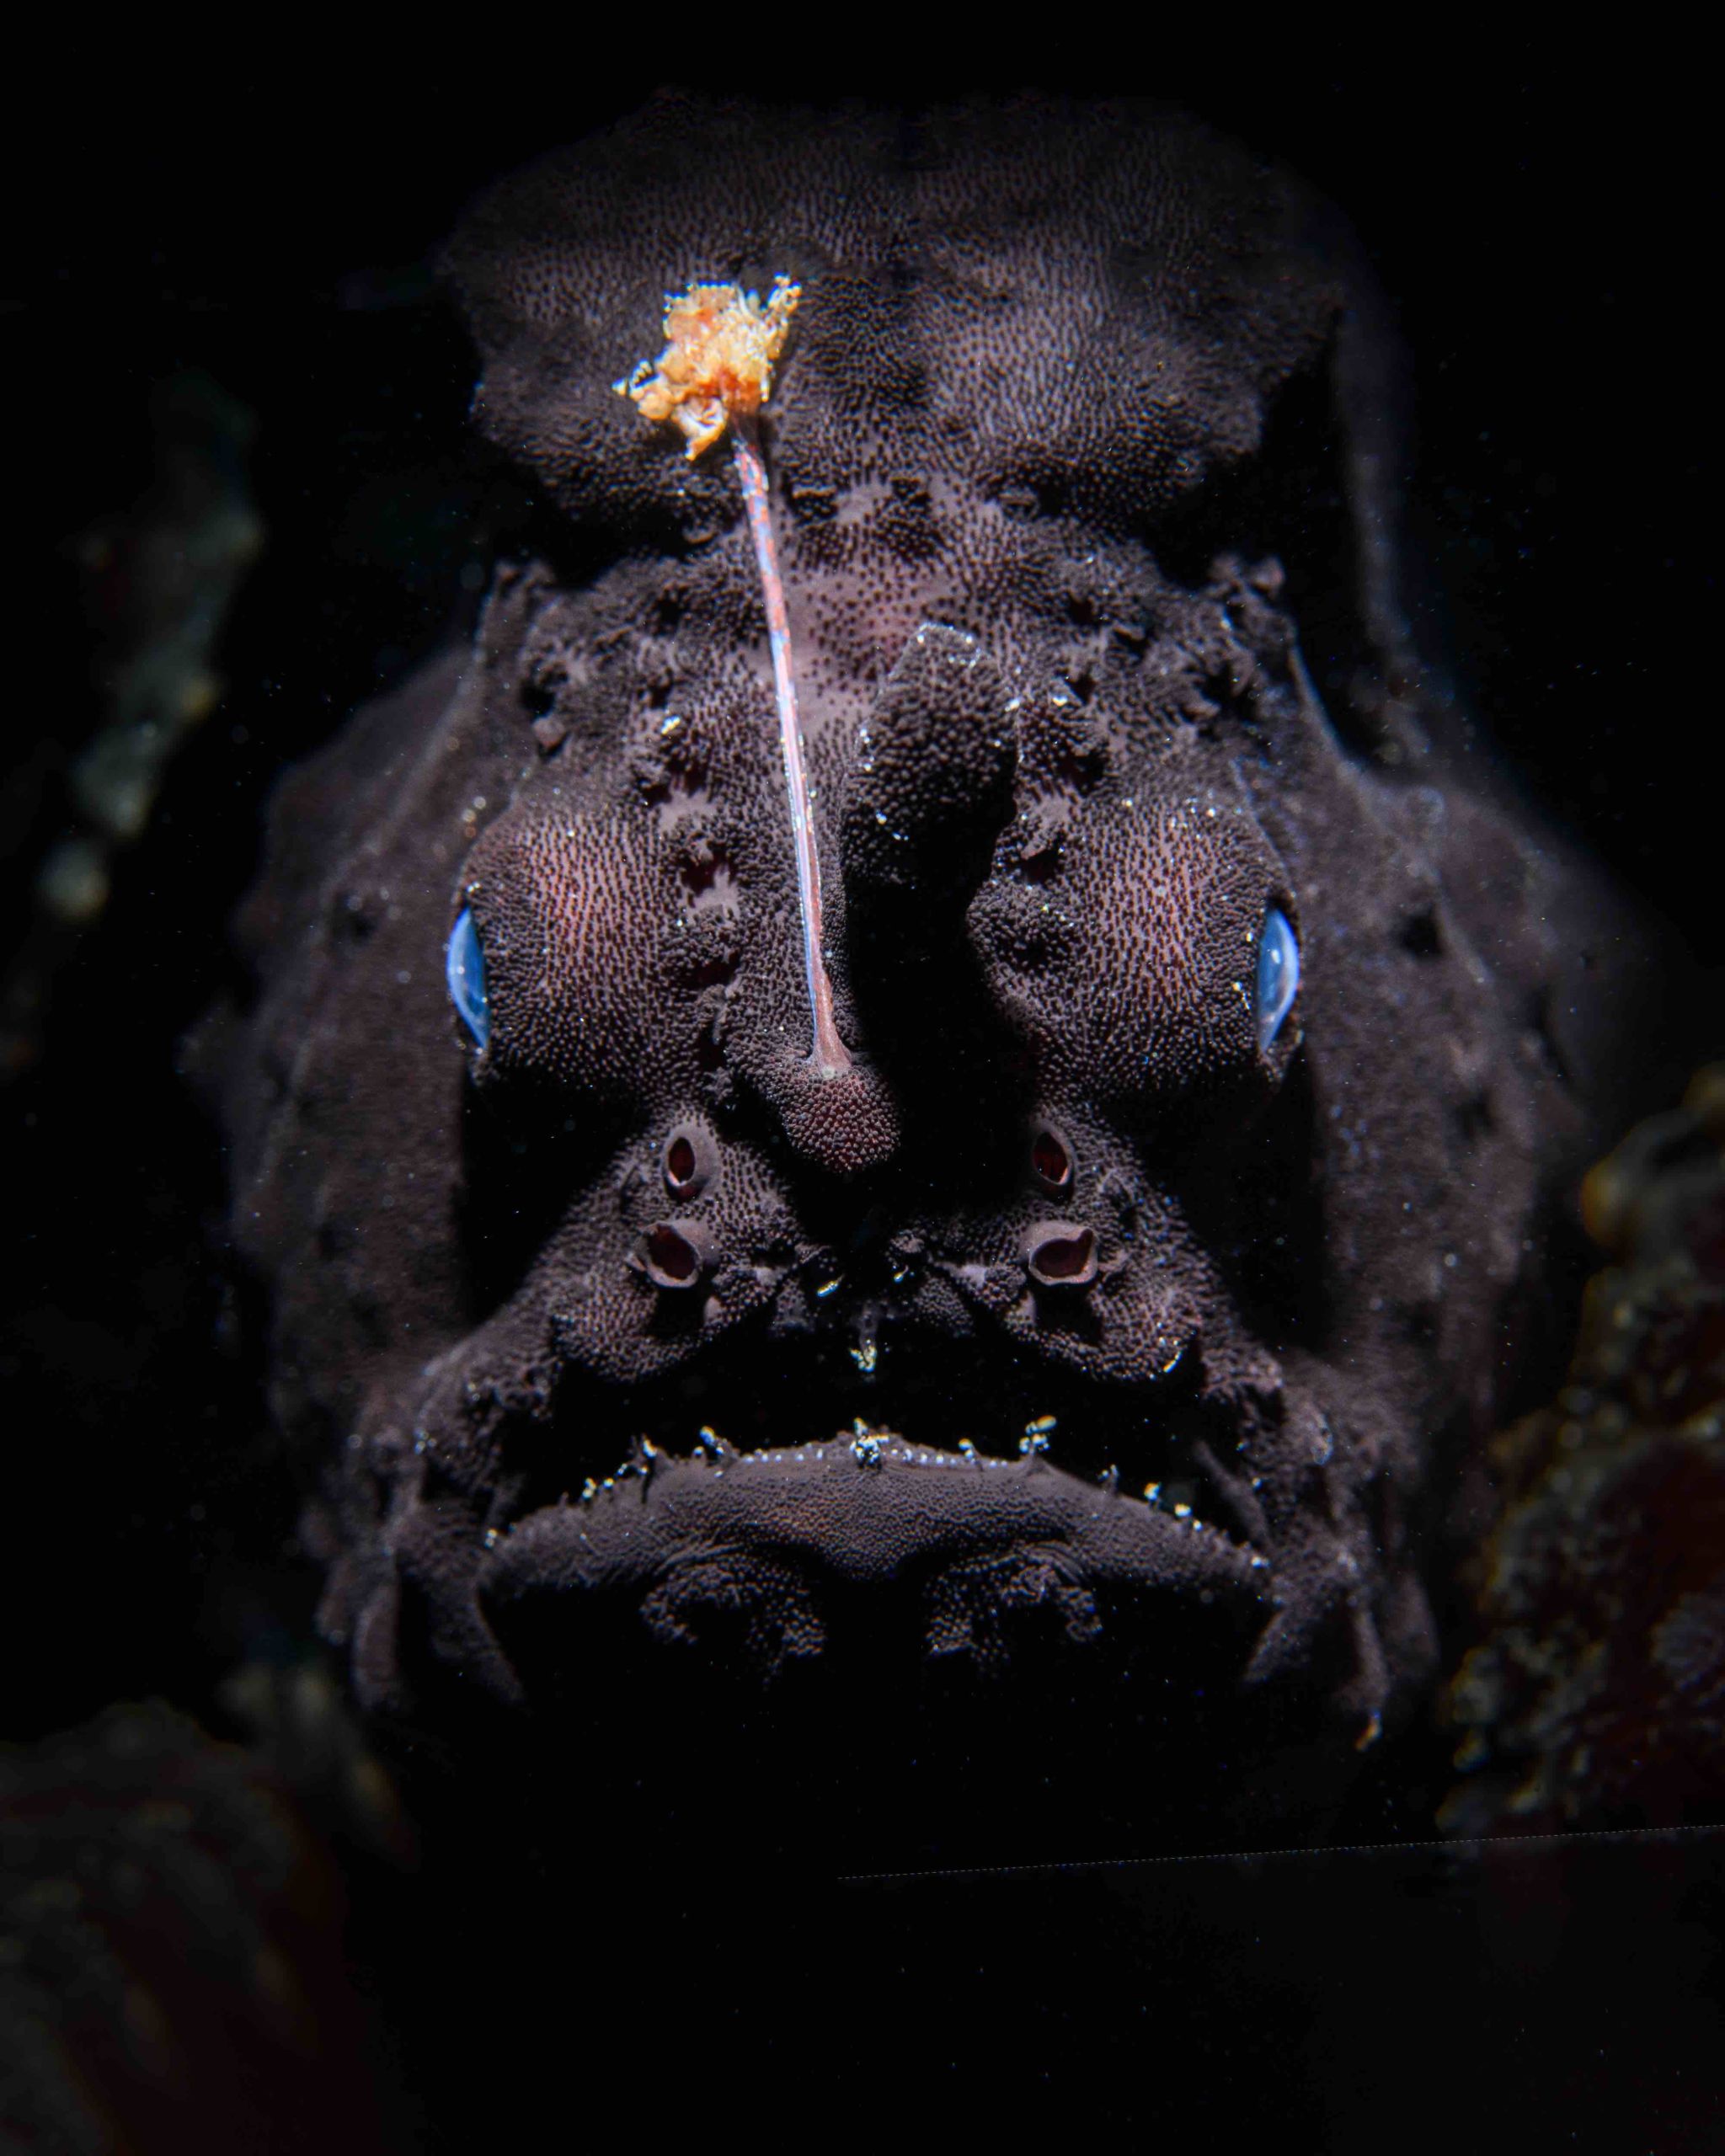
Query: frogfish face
1083,1154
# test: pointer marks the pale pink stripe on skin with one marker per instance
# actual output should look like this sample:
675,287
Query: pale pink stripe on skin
829,1054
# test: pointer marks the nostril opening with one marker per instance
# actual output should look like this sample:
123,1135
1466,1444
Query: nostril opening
1058,1256
675,1257
1051,1159
687,1162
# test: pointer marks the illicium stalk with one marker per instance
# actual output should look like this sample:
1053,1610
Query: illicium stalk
715,371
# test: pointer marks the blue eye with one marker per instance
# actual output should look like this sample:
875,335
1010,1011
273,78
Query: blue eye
464,969
1277,975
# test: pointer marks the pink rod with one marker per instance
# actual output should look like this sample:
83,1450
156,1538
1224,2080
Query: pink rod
828,1053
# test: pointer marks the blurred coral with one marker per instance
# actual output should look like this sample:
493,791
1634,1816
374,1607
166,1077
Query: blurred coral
1597,1692
171,1969
159,582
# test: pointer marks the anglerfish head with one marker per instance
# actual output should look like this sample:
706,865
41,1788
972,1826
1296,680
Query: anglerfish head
1075,1155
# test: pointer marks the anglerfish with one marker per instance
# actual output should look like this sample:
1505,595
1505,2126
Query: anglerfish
1083,1143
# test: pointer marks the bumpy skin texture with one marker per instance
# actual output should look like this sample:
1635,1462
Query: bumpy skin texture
1077,421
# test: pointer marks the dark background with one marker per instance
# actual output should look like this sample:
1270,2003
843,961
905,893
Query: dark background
1546,235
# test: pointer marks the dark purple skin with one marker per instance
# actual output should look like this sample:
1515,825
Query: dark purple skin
1079,424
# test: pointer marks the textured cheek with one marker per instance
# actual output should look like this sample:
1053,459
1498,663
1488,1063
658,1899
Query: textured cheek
1158,906
569,915
1170,911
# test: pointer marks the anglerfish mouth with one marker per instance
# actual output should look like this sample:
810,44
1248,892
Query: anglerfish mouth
786,1477
772,1532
